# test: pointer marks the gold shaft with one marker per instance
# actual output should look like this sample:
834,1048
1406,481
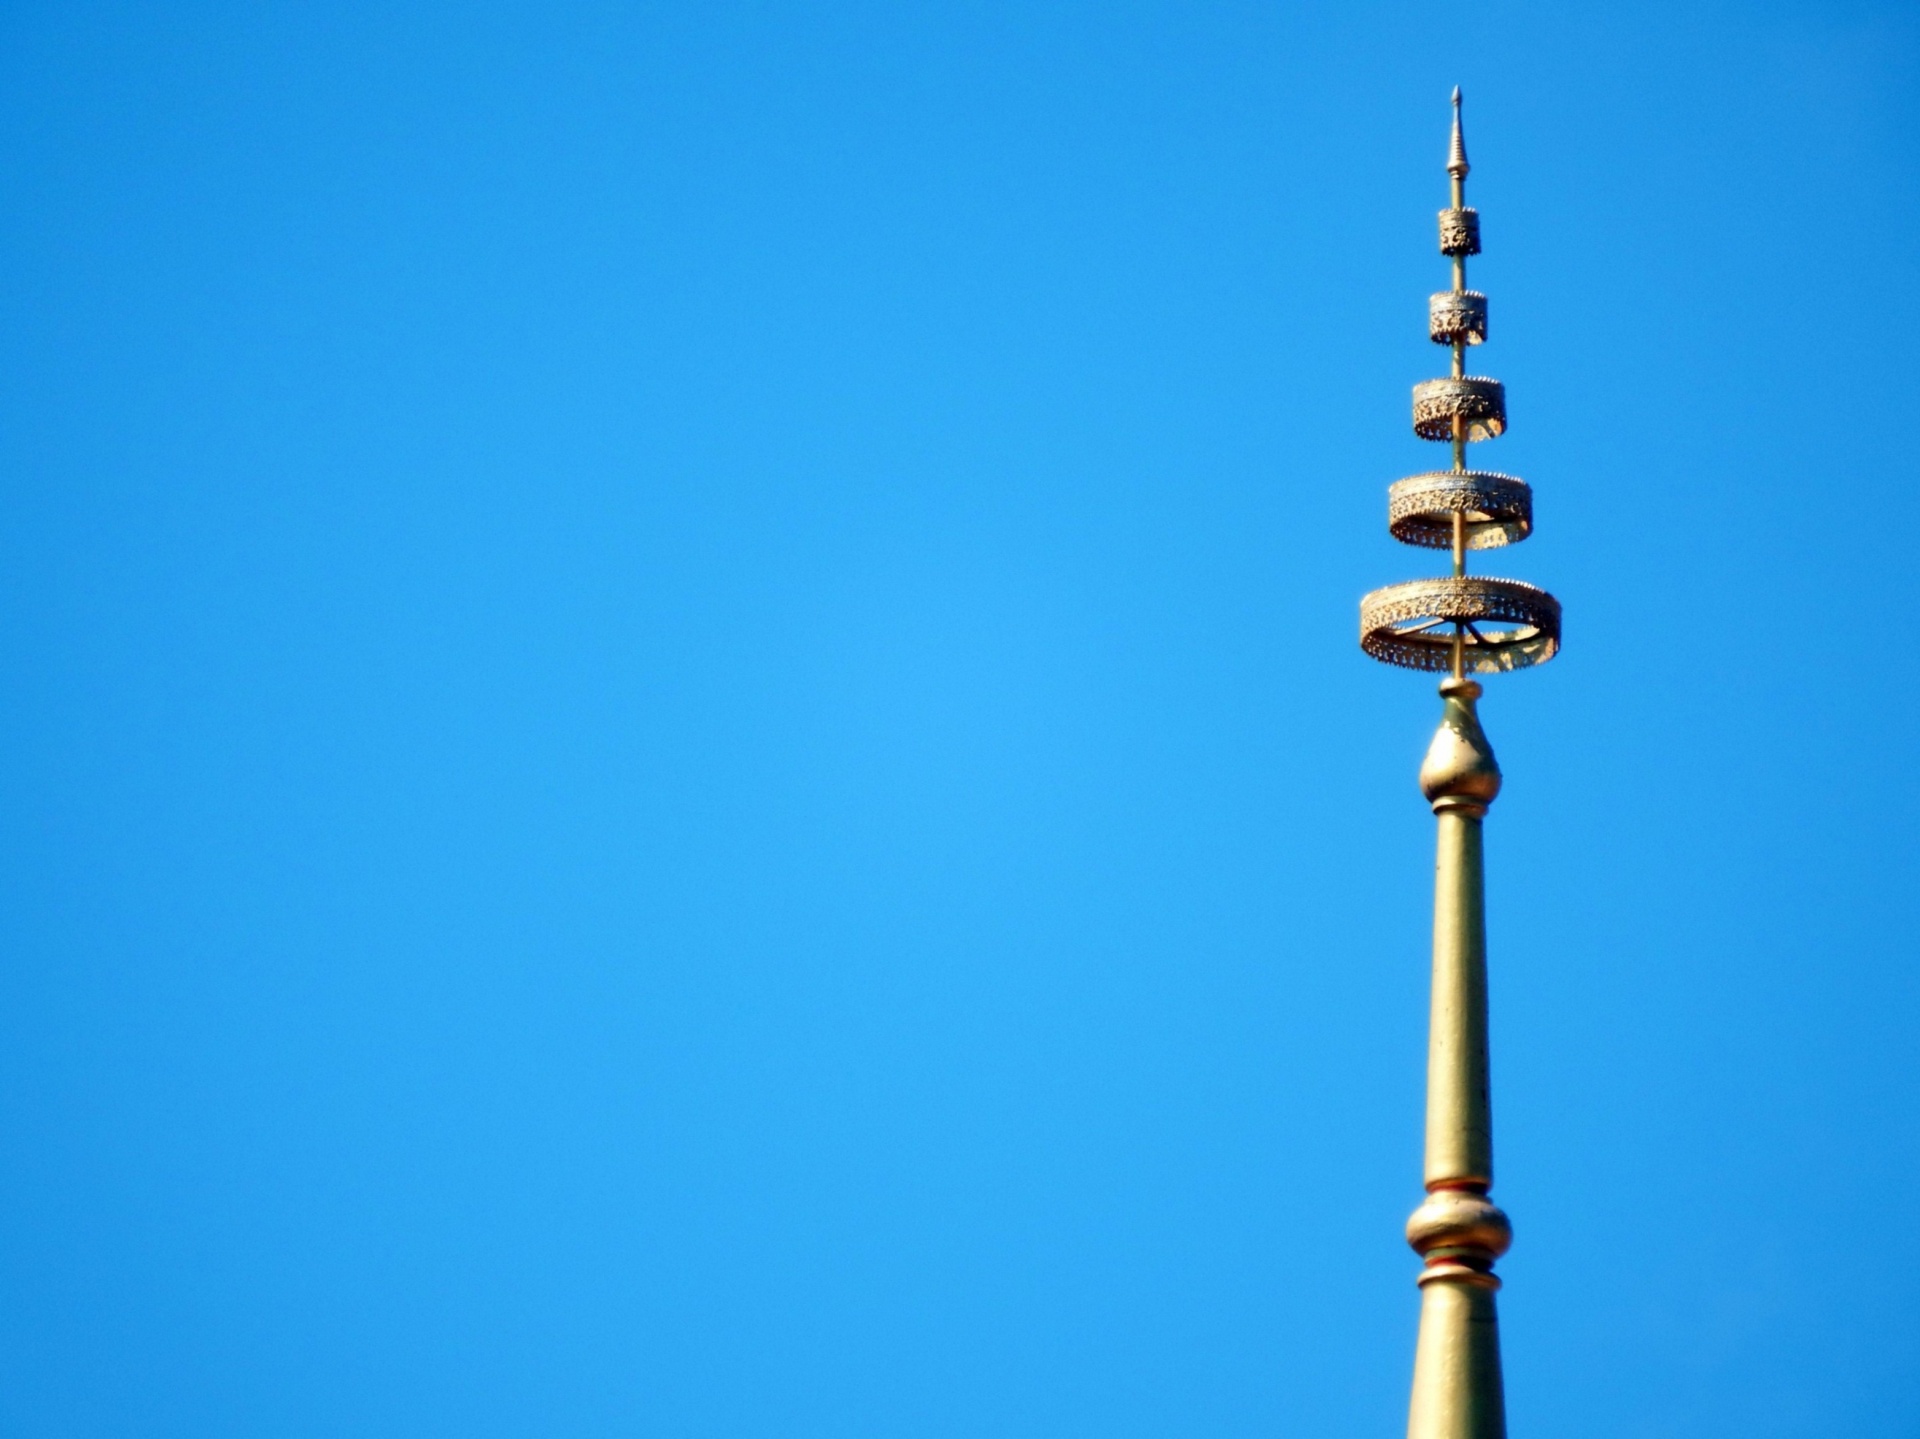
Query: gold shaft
1459,188
1458,666
1459,1121
1457,180
1458,1392
1457,1388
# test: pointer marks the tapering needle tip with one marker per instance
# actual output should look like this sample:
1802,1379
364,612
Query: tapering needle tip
1457,148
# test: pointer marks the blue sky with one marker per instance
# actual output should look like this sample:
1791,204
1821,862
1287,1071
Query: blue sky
681,751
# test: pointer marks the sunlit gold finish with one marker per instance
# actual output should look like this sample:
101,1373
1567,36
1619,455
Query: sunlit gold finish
1503,624
1437,626
1465,625
1494,509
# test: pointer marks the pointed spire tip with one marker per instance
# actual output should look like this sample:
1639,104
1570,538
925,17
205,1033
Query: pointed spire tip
1457,150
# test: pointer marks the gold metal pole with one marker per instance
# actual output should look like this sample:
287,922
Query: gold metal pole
1496,626
1458,1231
1457,176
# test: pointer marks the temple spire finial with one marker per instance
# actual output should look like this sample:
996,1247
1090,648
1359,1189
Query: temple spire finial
1465,625
1457,151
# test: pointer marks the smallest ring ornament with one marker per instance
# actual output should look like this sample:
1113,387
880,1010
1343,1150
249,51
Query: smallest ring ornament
1503,624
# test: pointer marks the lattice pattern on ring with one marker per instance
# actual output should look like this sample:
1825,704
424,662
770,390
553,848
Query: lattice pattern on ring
1481,402
1460,232
1411,624
1498,509
1457,317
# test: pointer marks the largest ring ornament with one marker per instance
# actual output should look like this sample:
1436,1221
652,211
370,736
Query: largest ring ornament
1504,624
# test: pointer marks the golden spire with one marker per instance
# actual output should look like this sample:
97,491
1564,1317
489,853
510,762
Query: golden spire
1461,624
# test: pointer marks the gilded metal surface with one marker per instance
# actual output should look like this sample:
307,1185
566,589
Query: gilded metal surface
1498,509
1460,231
1459,1224
1460,771
1457,1389
1458,1232
1504,624
1457,317
1480,402
1466,625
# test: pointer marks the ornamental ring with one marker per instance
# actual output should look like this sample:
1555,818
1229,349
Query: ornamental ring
1460,232
1498,509
1457,317
1414,624
1480,403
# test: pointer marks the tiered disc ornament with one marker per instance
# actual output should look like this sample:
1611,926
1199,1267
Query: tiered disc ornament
1466,624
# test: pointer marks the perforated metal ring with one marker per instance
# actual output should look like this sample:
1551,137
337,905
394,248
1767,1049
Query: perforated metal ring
1498,509
1412,624
1481,403
1457,317
1460,232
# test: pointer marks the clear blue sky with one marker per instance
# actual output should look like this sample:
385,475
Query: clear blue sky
681,750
